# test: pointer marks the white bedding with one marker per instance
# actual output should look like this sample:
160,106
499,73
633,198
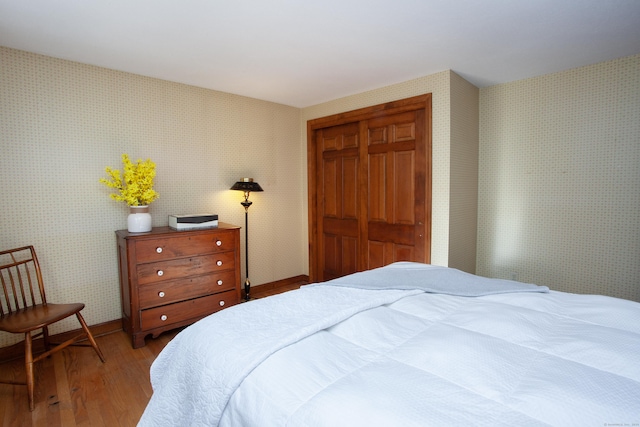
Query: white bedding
328,355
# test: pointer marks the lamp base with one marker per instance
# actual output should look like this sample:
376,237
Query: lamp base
247,289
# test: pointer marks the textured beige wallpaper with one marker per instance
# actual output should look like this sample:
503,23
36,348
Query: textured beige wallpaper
62,122
464,174
559,188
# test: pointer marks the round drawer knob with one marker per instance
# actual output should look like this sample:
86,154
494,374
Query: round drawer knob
161,294
163,317
221,303
218,243
219,282
160,273
159,250
219,263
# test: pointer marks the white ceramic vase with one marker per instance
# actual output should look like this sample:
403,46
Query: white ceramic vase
139,219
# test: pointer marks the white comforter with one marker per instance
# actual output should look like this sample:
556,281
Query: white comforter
329,355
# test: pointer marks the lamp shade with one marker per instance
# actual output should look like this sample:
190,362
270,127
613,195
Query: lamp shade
247,184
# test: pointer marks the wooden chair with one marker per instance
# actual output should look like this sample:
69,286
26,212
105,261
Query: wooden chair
24,309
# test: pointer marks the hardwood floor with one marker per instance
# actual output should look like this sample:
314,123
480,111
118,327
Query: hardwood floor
74,388
264,291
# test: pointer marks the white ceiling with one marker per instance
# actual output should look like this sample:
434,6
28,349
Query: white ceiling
304,52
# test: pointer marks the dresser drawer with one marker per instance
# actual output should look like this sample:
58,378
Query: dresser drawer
170,291
183,245
191,309
183,267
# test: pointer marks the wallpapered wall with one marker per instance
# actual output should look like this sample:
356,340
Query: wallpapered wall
559,195
464,174
61,123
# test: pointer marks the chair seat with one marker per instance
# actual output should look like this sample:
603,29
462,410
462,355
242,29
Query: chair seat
37,316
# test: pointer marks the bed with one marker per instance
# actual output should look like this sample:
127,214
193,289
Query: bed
408,344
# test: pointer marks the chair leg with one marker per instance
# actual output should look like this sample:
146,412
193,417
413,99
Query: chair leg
45,338
28,364
93,342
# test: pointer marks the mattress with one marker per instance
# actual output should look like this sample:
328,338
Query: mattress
409,345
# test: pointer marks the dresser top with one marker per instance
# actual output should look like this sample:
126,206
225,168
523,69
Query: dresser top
159,231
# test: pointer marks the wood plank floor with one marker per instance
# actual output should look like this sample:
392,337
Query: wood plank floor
74,388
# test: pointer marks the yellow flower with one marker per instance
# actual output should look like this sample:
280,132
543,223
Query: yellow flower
135,186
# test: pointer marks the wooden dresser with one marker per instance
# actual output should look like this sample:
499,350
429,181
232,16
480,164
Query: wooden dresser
170,278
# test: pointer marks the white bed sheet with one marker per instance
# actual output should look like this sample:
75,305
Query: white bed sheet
410,358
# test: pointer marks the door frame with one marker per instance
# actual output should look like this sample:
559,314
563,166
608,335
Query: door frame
420,102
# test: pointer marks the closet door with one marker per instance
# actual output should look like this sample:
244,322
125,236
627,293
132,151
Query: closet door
395,199
338,199
369,188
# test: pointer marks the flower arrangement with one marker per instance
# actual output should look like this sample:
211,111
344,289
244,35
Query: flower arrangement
136,184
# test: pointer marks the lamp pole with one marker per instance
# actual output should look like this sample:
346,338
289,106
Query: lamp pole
247,284
247,186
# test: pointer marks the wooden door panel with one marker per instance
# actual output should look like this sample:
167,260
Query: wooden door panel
340,255
385,253
397,127
404,253
393,233
349,255
330,188
377,135
404,192
376,256
404,131
331,142
376,206
340,243
332,253
349,181
339,137
348,227
350,137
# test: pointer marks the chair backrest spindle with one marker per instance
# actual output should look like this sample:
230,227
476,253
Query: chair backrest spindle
36,266
19,275
6,296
